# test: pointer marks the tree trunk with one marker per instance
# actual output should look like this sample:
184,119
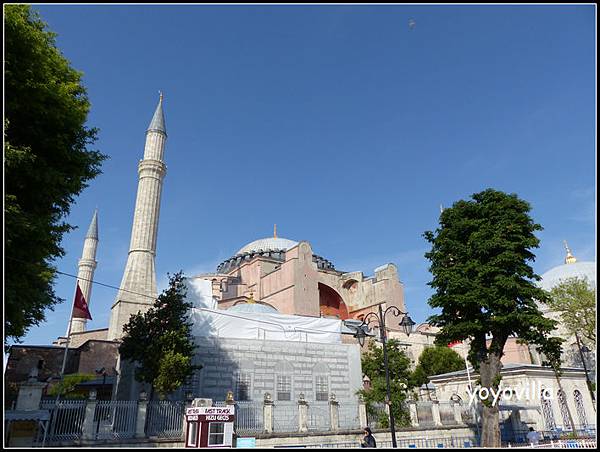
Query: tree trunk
489,372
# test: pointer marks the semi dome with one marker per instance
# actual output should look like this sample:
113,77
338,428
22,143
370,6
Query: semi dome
253,308
268,244
577,269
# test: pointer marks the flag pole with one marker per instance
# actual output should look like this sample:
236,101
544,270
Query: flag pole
64,363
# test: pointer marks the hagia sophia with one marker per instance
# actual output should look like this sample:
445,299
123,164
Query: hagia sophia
271,318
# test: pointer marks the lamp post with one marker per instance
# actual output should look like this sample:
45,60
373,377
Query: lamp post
361,332
583,349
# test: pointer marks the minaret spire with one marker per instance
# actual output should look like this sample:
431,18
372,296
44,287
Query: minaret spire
87,265
570,259
138,286
275,231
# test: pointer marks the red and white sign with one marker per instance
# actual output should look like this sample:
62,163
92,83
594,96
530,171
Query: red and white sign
211,414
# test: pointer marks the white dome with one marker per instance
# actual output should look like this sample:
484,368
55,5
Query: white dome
578,269
268,244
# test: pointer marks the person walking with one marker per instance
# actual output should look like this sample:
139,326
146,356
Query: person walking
368,439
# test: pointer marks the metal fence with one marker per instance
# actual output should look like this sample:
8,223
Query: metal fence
164,419
249,417
562,444
520,436
349,417
115,419
377,416
66,419
459,442
319,419
443,442
285,417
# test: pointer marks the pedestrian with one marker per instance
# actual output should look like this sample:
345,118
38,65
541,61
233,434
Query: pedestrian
369,439
533,437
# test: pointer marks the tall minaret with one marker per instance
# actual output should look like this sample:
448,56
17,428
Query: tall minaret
138,287
87,265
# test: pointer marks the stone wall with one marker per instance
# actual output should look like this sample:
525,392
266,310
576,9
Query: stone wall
261,362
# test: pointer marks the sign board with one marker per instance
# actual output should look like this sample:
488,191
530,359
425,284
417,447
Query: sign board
210,414
248,443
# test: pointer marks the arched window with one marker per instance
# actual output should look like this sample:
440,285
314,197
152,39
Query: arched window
547,412
284,381
564,410
580,409
321,375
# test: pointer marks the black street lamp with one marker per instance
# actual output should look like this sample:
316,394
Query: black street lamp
583,349
361,332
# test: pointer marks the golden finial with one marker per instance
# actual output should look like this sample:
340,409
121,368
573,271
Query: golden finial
275,231
251,299
570,259
160,95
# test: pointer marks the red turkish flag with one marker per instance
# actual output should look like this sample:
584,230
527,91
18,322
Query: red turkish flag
80,307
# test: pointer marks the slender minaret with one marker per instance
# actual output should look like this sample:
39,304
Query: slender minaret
138,287
87,265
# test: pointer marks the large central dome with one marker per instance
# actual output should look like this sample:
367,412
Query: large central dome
268,244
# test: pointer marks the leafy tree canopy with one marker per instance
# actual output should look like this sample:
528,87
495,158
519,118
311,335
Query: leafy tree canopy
482,279
400,378
575,300
47,163
160,340
67,386
434,361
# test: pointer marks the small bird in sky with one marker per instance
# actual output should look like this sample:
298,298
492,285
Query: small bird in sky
412,24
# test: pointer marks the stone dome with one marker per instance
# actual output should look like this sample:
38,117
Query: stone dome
268,244
253,308
578,269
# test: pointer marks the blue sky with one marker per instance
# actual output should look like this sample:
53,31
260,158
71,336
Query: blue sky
339,123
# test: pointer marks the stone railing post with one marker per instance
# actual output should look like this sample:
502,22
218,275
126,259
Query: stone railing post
89,429
362,412
414,419
302,414
457,409
142,412
334,413
30,393
435,412
268,413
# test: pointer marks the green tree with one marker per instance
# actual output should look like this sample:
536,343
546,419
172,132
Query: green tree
575,300
160,342
486,288
399,372
434,361
46,164
67,387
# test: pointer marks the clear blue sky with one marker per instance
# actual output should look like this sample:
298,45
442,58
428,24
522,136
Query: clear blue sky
338,123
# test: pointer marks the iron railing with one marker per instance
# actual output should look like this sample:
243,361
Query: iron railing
319,419
249,417
66,419
164,419
115,419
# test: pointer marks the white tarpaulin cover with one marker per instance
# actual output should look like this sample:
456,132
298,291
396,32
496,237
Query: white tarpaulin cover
199,292
265,326
209,321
